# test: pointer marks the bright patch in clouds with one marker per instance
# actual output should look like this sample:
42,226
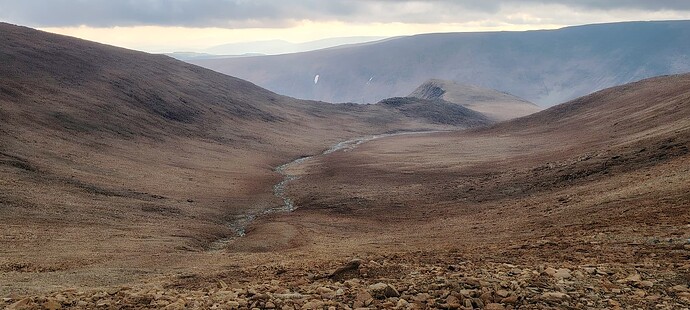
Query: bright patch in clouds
170,39
184,25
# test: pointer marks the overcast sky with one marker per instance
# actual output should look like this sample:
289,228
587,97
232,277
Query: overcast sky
193,25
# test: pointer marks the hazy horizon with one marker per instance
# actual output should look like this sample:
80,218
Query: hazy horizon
183,26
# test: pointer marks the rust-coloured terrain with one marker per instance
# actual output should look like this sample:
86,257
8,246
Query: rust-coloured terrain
124,176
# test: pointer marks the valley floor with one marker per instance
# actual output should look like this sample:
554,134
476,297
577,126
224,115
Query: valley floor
441,220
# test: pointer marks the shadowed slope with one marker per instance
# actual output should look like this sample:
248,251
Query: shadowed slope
436,111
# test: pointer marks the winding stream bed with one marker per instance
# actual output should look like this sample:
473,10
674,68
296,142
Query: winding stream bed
241,222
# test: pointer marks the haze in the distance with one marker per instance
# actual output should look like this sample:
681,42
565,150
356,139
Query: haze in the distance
195,26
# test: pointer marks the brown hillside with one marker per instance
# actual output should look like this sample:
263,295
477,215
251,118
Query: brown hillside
610,135
116,164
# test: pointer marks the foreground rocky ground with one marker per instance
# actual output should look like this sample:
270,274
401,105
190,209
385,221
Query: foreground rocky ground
406,281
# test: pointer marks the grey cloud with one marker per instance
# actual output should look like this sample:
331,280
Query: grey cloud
270,13
104,13
648,5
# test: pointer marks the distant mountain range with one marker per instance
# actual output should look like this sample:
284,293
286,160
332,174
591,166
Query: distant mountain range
546,67
269,47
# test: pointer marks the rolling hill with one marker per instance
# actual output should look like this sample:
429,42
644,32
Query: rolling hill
545,67
114,161
494,104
